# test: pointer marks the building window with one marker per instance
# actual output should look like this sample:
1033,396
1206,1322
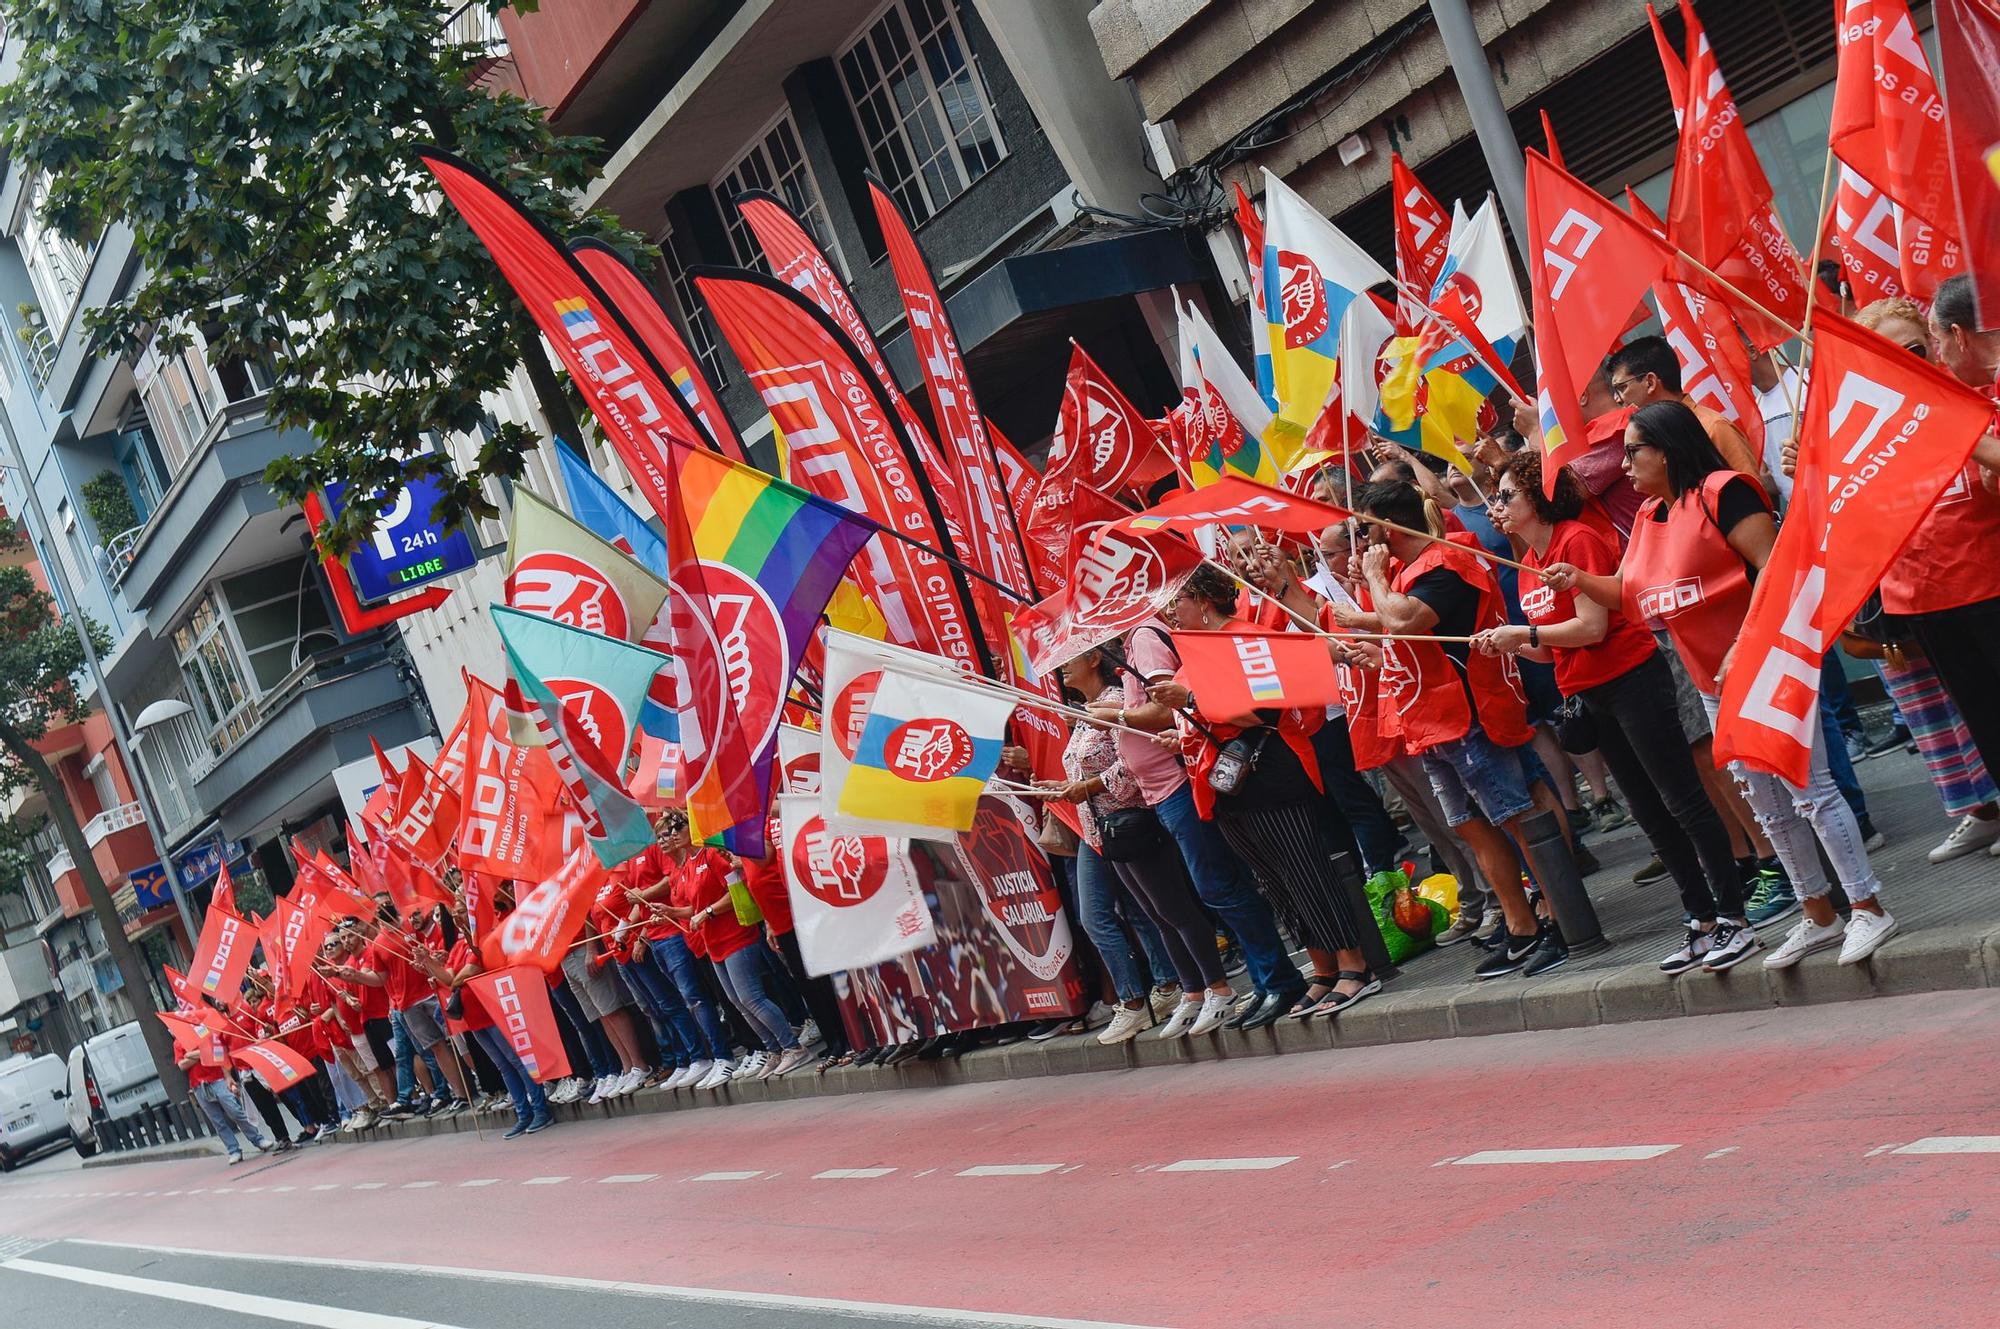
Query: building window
280,618
186,392
696,326
76,545
777,165
217,674
56,264
924,114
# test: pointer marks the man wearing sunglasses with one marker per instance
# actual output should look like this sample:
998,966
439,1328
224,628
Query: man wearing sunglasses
1645,370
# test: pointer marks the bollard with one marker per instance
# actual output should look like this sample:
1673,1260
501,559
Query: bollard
1562,885
1374,950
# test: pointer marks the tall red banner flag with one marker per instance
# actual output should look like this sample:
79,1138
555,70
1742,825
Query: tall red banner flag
222,957
1715,364
1589,265
845,446
997,548
517,1000
1883,434
641,308
1423,234
646,420
1968,36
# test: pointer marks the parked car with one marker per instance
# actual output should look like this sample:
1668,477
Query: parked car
31,1107
111,1076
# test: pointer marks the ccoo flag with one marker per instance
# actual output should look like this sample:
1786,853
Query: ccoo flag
925,753
516,999
278,1066
1235,673
588,689
222,956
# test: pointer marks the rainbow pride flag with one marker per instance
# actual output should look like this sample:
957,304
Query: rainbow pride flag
772,557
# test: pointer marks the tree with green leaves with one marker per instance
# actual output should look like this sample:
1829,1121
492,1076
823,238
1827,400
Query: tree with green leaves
41,656
260,152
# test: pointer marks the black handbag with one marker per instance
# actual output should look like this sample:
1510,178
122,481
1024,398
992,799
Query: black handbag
1236,760
1576,727
1126,834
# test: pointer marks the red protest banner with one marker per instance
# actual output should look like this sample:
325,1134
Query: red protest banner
548,918
517,1000
1236,501
1235,673
222,956
278,1066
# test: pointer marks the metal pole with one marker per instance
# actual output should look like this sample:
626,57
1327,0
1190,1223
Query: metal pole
120,735
1489,114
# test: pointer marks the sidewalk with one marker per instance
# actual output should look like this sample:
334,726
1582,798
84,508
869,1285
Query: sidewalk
1949,938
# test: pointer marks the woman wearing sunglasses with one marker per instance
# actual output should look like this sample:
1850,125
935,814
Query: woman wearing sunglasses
1611,665
1696,548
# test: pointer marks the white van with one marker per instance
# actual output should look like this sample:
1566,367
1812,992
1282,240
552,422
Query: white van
31,1107
110,1076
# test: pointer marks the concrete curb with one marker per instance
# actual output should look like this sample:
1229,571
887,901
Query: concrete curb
172,1153
1935,961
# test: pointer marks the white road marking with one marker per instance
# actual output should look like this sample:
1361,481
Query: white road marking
1341,1164
927,1171
242,1303
1230,1164
276,1189
1616,1153
1726,1149
1953,1144
418,1185
1442,1161
481,1181
323,1186
369,1185
713,1296
544,1181
1878,1149
1011,1170
852,1173
727,1176
625,1177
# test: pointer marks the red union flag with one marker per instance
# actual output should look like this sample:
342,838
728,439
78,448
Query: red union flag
1968,36
1235,673
516,999
1423,234
196,1033
1889,132
1235,501
1121,578
509,821
278,1066
856,899
844,445
1883,433
300,932
222,956
548,918
1101,439
1590,265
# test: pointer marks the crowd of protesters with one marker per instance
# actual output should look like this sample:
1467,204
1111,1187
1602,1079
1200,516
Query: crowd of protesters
1213,878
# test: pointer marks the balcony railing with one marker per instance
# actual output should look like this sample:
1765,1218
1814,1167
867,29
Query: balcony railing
118,554
473,24
121,818
59,863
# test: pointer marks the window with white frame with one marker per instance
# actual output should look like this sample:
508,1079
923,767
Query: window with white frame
700,332
56,264
217,675
186,391
776,164
924,113
244,638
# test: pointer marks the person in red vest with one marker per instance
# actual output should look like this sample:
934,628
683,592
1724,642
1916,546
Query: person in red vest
1611,664
1463,712
1705,533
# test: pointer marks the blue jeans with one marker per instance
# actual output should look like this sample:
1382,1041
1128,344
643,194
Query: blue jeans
746,978
604,1063
529,1100
1836,705
1476,777
678,1035
1097,908
670,956
406,1070
225,1112
1224,885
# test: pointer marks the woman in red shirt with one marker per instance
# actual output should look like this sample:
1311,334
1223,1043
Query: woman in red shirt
1702,536
1611,665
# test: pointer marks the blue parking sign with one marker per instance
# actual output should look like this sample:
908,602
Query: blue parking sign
408,546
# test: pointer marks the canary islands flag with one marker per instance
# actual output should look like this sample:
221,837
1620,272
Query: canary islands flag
1312,273
925,754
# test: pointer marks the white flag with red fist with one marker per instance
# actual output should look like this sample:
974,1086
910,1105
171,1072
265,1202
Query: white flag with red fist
856,899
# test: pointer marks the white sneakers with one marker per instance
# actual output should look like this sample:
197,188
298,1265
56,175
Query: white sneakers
718,1075
1182,1020
694,1074
628,1083
1860,937
1866,932
600,1089
1214,1010
1163,1000
791,1061
752,1067
1125,1024
1968,837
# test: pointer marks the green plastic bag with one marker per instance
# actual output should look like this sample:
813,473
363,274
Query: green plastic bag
1401,943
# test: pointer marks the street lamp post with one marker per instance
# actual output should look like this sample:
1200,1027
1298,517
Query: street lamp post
1489,114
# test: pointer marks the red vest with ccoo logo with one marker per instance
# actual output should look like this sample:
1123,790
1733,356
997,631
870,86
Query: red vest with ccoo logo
1684,575
1434,700
1368,708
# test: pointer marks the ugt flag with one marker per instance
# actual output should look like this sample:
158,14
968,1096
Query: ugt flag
925,754
589,689
856,899
517,1000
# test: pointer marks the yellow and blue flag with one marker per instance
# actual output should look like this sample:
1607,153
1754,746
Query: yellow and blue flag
1230,429
1311,274
925,754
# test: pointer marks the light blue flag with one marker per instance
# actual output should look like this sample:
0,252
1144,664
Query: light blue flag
597,505
589,690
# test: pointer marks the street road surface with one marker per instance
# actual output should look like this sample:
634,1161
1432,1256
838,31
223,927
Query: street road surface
1835,1165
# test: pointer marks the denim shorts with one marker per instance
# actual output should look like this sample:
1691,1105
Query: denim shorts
1476,777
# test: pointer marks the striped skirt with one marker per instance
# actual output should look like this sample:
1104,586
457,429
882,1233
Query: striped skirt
1290,853
1949,753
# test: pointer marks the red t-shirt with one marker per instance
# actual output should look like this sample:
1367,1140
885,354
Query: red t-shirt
766,879
404,983
1626,645
701,881
462,956
643,873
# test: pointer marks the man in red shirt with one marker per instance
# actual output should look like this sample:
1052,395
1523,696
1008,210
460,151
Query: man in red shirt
208,1081
416,1023
671,973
